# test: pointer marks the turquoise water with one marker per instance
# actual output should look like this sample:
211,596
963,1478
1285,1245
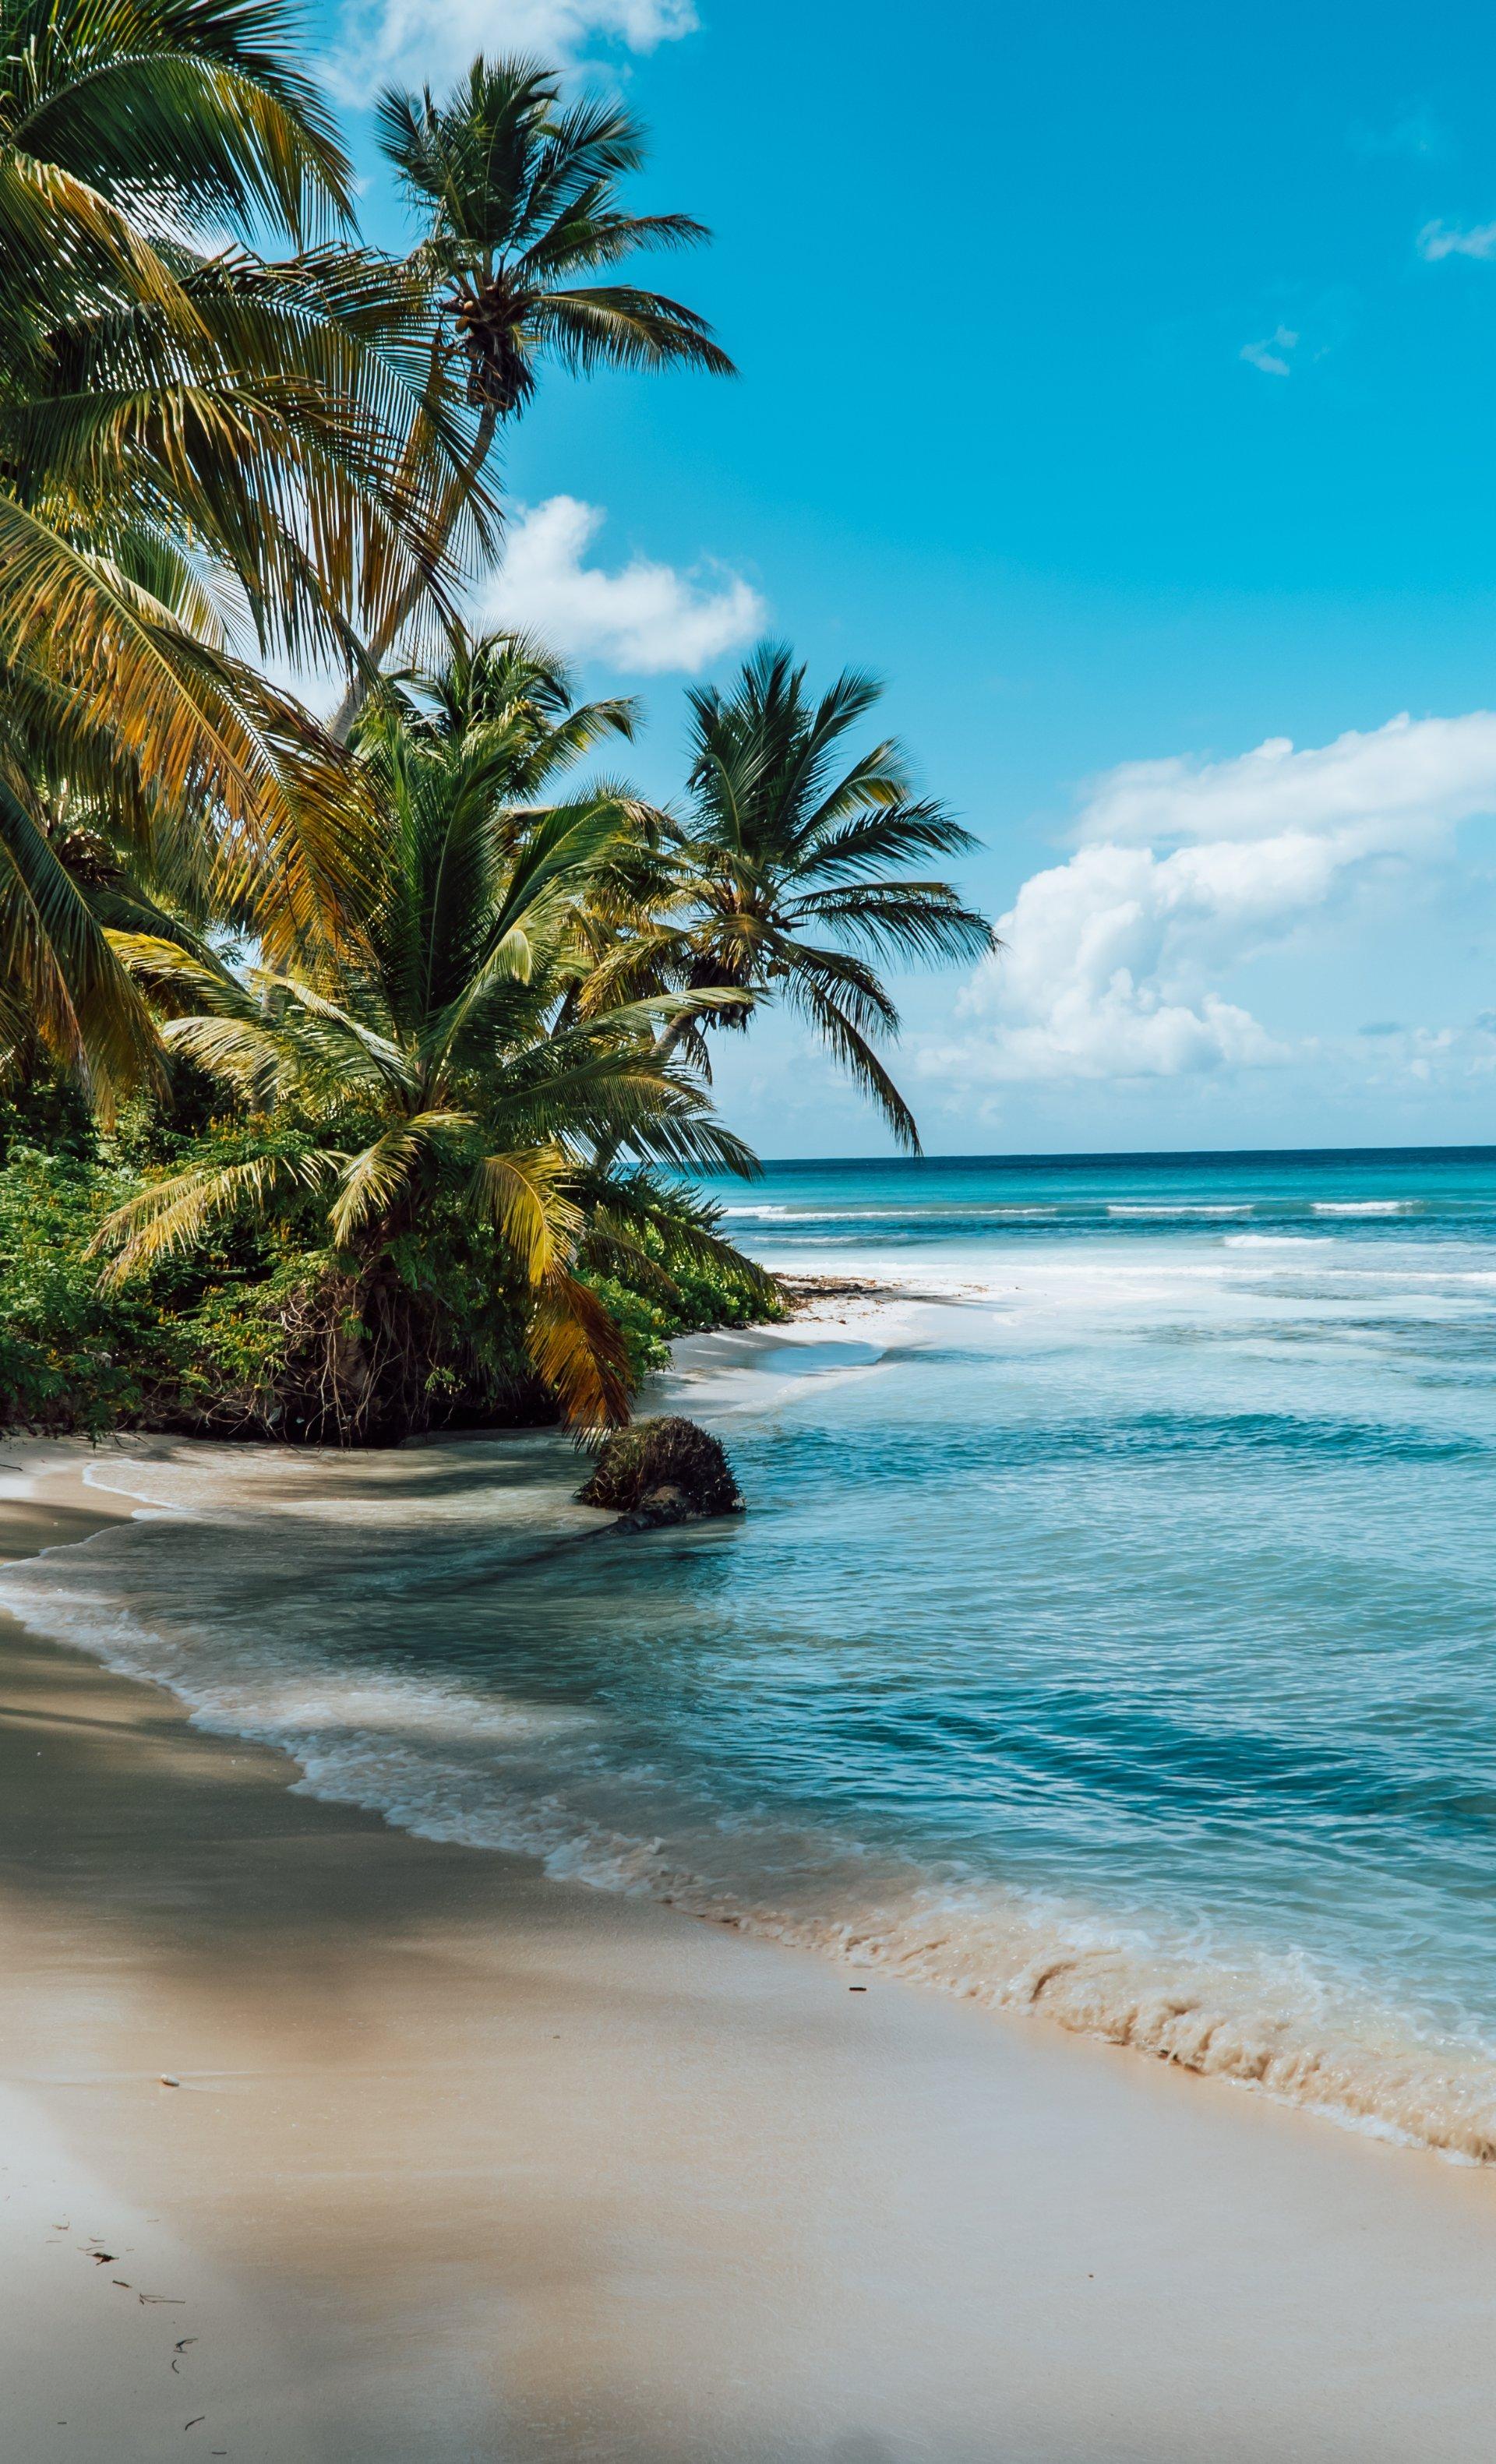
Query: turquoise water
1112,1631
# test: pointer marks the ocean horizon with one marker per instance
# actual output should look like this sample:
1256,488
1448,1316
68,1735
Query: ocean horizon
1020,1159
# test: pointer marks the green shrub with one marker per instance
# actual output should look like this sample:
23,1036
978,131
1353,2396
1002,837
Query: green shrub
674,1290
257,1332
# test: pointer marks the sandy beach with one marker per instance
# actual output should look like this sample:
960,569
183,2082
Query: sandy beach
462,2162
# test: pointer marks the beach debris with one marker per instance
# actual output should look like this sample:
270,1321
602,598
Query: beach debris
161,2301
101,2258
120,2281
166,2080
857,1988
662,1471
179,2351
803,1291
196,2418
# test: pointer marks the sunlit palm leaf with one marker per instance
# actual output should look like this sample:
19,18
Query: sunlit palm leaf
579,1352
176,1214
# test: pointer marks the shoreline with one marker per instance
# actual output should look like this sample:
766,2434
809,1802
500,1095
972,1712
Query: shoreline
555,2173
371,1743
380,1734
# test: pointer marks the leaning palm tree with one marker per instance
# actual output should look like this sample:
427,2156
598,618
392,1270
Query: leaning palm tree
519,195
201,452
433,1088
790,874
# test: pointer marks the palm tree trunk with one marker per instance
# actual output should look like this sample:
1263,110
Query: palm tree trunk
386,635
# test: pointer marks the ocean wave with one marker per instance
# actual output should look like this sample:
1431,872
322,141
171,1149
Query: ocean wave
439,1759
1180,1210
1274,1241
785,1215
934,1217
1365,1206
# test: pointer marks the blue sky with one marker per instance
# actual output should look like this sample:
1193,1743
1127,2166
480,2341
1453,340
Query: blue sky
1121,387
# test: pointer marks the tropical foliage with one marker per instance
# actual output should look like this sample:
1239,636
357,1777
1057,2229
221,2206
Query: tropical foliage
355,1078
432,1085
250,1333
204,453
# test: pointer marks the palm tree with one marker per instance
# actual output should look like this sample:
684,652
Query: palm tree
199,449
789,875
433,1085
521,198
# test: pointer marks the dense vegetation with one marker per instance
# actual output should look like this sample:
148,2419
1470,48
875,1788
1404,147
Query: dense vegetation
354,1078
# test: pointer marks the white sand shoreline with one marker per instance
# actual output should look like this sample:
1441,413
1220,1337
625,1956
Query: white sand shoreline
644,2190
437,1756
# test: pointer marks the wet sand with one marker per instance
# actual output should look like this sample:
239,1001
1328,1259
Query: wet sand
467,2162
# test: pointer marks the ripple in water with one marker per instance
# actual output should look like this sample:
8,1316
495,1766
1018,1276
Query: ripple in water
1123,1653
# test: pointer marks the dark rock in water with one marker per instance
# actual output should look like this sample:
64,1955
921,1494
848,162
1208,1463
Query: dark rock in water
662,1471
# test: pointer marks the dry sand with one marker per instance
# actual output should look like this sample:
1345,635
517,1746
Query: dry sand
465,2162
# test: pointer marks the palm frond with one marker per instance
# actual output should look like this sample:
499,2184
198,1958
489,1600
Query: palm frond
373,1181
902,920
57,964
174,1214
848,1046
619,327
523,1196
579,1352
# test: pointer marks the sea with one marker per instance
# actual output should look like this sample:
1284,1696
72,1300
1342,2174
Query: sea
1110,1638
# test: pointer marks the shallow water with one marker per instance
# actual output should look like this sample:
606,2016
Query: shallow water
1111,1631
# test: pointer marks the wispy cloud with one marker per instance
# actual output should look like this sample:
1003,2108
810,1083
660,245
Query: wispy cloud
1419,137
1437,240
644,618
431,40
1116,959
1270,356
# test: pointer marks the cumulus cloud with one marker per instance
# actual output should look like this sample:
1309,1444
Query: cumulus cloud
1436,240
644,618
1103,974
430,40
1389,787
1186,871
1270,356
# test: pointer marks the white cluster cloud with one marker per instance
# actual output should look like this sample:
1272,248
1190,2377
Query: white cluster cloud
1187,870
1389,789
1436,240
1271,355
431,40
1101,975
645,618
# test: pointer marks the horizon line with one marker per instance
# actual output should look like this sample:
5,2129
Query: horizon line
1120,1154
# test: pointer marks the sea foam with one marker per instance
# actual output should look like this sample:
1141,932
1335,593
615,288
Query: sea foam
192,1604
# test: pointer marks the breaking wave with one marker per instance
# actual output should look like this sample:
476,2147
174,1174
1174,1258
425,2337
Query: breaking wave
1273,1241
1363,1207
